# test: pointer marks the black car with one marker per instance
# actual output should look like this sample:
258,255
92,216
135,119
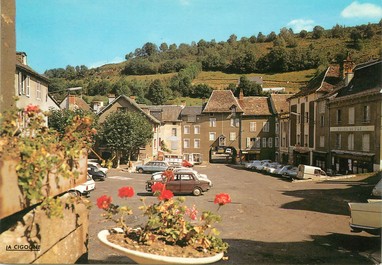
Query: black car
96,173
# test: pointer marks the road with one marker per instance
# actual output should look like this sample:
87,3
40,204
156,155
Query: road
270,220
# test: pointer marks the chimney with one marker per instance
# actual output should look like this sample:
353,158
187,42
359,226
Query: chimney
21,57
132,98
348,66
183,104
111,97
241,94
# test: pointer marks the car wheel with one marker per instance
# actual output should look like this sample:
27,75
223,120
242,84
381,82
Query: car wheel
140,170
75,193
197,192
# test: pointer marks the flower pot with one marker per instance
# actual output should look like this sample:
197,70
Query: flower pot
148,258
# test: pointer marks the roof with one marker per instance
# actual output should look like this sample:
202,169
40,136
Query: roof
255,106
30,71
280,103
324,82
165,113
191,110
221,101
367,79
70,101
133,103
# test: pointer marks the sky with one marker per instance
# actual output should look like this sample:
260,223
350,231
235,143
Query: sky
58,33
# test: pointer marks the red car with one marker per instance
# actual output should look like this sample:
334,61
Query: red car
185,163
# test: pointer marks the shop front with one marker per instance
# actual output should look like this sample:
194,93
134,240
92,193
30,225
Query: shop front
352,162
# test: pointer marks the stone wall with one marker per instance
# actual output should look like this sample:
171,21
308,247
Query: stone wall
30,236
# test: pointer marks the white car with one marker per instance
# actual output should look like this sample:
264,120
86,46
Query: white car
366,216
98,166
272,169
377,190
251,164
85,188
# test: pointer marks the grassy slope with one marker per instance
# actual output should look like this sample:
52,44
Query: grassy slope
292,81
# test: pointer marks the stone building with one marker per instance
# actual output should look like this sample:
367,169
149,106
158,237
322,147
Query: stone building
355,121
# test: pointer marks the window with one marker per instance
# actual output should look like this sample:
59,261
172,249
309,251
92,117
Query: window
266,126
235,122
338,116
276,142
38,91
232,136
322,141
212,122
212,136
252,126
366,142
196,143
186,143
186,129
322,120
366,113
248,142
277,127
283,141
24,84
173,132
270,142
196,129
306,117
264,142
351,115
351,141
257,142
338,140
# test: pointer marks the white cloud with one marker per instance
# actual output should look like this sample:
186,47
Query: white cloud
100,63
366,10
299,24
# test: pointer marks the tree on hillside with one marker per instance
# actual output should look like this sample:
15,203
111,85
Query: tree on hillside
303,33
124,133
156,93
338,31
201,91
318,32
248,87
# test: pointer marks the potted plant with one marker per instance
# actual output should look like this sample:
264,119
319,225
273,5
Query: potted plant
173,233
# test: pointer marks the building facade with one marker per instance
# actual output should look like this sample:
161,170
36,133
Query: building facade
355,122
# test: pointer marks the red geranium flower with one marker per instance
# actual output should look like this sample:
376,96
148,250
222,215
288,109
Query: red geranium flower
158,186
165,195
169,175
126,192
30,109
103,202
222,198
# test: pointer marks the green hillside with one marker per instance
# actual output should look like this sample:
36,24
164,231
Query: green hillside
285,59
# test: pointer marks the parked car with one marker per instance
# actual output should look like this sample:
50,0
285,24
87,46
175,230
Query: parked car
263,163
366,216
377,190
95,173
157,176
309,172
290,173
185,163
280,171
103,169
85,188
251,164
184,182
273,168
153,166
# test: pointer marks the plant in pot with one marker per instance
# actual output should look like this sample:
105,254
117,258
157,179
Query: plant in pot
173,233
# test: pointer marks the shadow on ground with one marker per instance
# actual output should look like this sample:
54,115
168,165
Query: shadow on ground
332,201
329,249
